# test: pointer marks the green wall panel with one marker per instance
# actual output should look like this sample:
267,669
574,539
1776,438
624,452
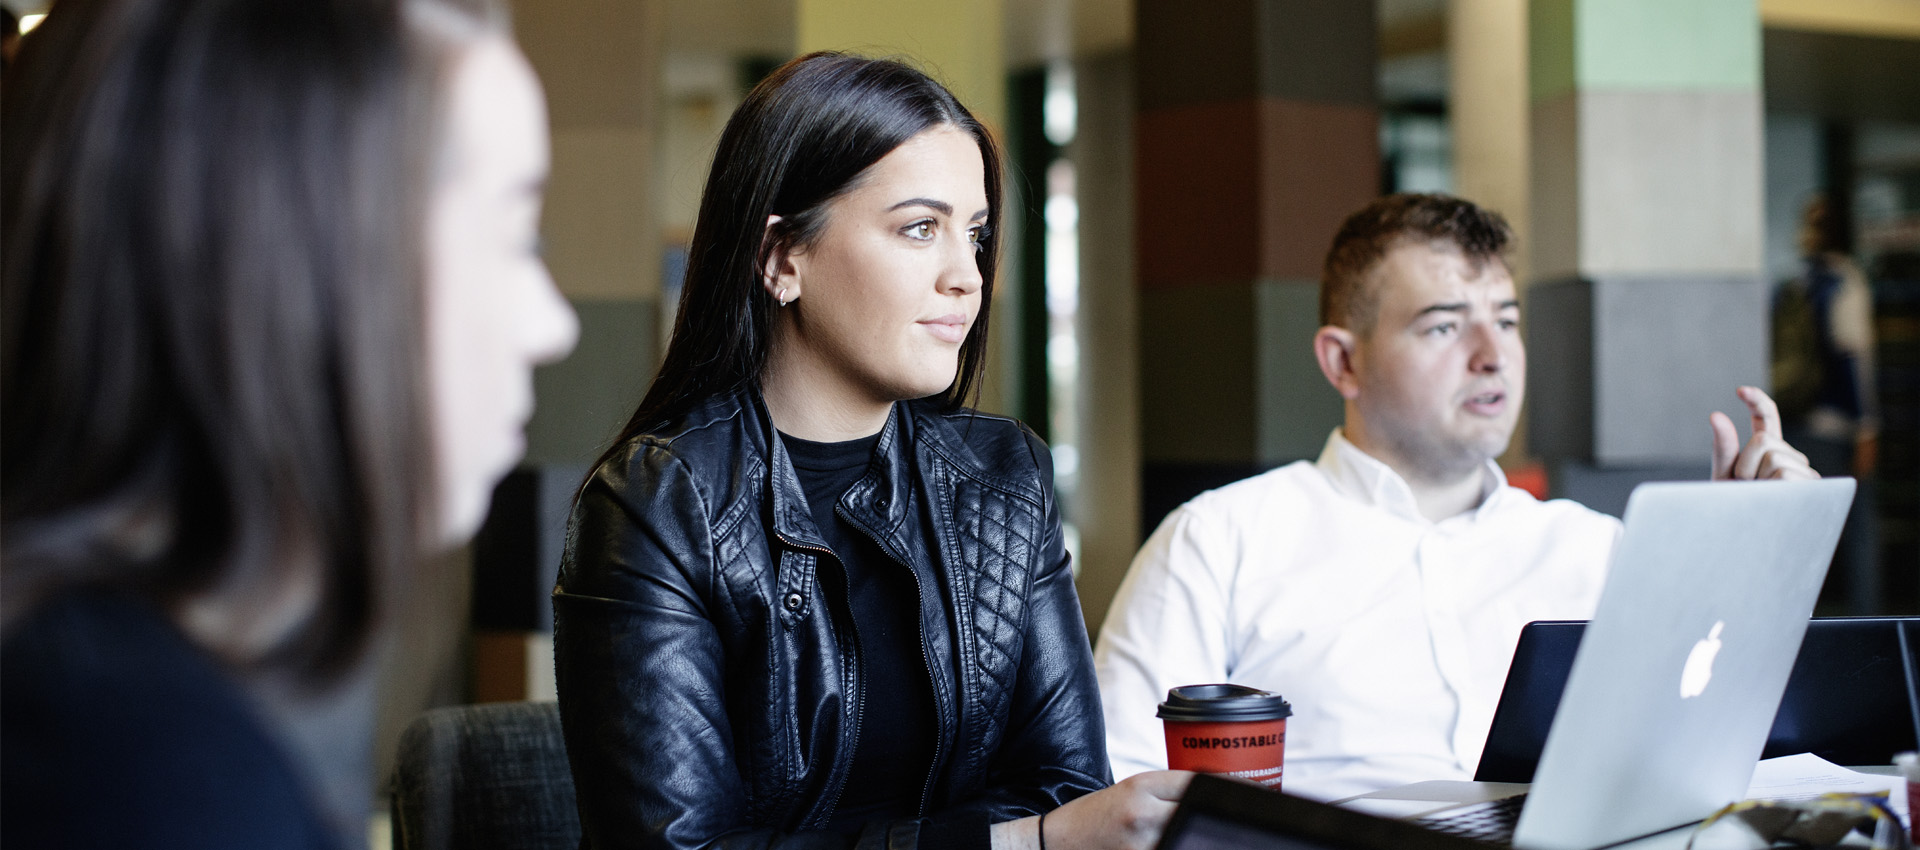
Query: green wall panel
1668,44
1643,45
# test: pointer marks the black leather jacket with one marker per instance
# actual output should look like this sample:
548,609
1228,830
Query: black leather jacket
709,688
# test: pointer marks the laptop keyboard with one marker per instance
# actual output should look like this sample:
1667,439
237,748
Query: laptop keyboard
1491,822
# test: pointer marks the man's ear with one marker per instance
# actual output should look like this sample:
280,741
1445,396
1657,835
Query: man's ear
1334,347
781,274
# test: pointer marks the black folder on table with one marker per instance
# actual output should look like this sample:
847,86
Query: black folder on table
1853,697
1229,814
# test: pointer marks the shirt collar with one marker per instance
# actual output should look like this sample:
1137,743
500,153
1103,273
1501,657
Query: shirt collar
1365,478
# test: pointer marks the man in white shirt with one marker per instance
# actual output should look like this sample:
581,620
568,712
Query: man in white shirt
1381,589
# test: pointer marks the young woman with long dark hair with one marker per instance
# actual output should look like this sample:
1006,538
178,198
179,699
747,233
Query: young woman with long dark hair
809,598
271,305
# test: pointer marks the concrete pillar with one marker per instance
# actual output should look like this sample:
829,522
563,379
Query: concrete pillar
957,43
1487,109
1649,303
1257,133
1487,116
599,61
1108,508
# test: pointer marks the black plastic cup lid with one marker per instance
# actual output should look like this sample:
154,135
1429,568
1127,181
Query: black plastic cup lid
1222,703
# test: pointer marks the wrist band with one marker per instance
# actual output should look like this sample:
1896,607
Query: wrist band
1043,831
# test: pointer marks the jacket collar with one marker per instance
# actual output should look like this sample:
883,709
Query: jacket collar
875,502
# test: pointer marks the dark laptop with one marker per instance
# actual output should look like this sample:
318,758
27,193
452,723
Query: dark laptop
1852,698
1227,814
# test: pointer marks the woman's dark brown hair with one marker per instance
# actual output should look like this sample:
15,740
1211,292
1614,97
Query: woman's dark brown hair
211,391
802,138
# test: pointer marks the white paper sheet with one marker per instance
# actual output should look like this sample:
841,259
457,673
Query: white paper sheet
1805,776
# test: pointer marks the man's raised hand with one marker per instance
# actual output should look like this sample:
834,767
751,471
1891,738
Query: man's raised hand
1766,454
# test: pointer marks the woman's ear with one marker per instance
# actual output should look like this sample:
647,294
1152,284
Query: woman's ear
781,275
1335,347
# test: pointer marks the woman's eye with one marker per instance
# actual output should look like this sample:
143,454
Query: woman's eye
977,237
920,230
1509,324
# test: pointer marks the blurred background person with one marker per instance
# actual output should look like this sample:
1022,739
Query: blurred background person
271,303
1824,380
1823,354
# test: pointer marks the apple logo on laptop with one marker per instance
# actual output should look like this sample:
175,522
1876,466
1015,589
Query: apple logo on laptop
1699,669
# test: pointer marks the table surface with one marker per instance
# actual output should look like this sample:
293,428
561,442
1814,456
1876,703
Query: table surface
1454,793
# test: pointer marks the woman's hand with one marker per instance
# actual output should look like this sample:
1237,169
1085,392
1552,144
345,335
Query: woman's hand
1128,816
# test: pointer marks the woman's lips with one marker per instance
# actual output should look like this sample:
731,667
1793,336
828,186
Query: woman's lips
950,328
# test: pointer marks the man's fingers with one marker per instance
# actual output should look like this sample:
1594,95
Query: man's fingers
1772,459
1787,464
1726,444
1730,458
1766,414
1766,453
1748,465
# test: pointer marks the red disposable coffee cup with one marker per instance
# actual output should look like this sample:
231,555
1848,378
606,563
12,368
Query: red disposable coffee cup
1232,730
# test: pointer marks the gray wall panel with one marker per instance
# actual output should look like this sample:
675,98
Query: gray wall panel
1197,371
1297,407
583,400
1230,50
1624,370
1559,336
1670,350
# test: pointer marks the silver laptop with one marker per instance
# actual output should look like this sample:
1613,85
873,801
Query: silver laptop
1676,681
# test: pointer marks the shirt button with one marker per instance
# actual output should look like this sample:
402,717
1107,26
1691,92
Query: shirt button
793,602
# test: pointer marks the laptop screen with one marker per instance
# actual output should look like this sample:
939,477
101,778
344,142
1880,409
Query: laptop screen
1848,699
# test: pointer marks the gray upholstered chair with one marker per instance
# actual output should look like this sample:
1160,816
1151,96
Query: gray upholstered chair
485,777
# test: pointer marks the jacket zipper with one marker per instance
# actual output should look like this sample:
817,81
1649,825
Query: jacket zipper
926,658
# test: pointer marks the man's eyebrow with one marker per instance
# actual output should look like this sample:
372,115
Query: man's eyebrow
1451,307
1511,303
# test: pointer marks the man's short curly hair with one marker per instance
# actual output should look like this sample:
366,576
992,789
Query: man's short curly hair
1348,297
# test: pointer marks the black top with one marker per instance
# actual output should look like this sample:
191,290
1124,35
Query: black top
894,755
116,732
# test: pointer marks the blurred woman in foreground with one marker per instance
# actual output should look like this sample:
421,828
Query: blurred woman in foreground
271,303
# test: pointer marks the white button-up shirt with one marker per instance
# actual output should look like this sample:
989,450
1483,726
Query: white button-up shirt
1388,633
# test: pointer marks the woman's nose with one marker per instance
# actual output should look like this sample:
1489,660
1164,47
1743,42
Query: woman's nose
962,275
552,327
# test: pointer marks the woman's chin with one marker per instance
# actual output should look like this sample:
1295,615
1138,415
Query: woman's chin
460,520
466,504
